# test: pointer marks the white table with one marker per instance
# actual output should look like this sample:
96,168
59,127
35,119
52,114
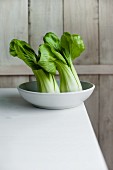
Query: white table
38,139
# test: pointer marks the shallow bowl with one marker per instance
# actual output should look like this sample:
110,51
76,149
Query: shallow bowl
55,100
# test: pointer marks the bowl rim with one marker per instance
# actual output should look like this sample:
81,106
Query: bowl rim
62,93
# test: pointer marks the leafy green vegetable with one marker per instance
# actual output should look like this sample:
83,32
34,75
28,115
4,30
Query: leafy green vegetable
72,46
46,81
55,54
69,47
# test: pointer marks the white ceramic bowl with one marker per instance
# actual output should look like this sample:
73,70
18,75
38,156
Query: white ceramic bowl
55,100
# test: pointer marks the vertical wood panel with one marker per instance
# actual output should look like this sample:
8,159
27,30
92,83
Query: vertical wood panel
106,82
14,24
92,104
106,118
81,16
45,16
106,31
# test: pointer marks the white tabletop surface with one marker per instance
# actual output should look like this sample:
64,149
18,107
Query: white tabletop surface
38,139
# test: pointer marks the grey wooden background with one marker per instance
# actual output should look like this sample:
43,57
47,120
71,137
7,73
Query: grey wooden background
93,20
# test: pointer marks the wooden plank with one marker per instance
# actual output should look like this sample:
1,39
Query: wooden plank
106,82
92,104
14,24
106,31
106,118
81,17
12,81
81,69
45,16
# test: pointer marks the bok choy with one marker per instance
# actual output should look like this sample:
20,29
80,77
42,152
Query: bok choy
46,81
55,54
67,49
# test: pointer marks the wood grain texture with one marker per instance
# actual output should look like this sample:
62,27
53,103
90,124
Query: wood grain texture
106,118
92,104
106,31
106,82
12,81
14,24
45,16
81,17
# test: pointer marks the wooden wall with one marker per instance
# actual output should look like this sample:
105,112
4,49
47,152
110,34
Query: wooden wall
93,20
